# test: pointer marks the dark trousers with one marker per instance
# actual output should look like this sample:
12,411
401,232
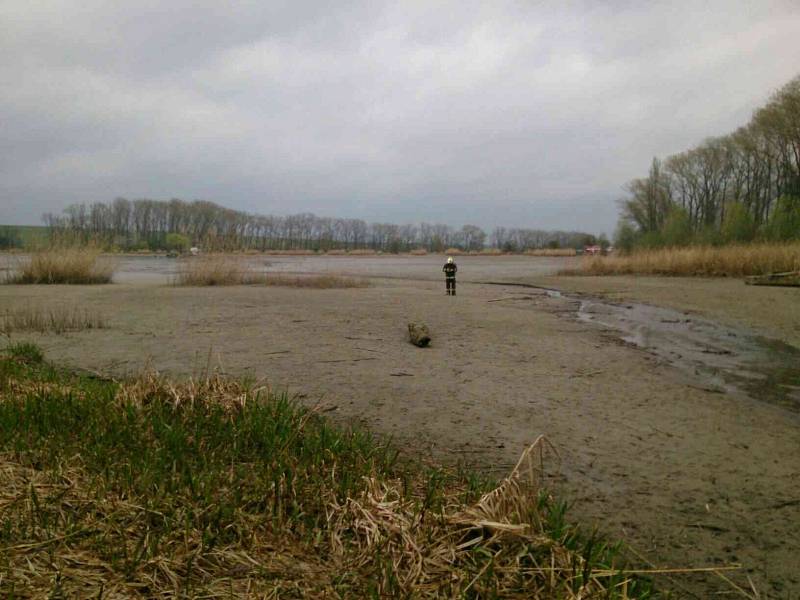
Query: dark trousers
451,285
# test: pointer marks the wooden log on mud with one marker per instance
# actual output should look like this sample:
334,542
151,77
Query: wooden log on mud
418,334
788,279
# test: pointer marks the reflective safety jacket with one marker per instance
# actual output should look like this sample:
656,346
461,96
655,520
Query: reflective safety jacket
450,270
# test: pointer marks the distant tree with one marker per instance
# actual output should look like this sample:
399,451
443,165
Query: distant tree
709,236
747,172
625,236
177,242
650,240
738,225
9,237
784,223
649,200
473,237
677,228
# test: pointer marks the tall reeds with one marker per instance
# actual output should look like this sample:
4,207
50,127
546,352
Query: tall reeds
54,319
223,270
707,261
551,252
214,270
63,266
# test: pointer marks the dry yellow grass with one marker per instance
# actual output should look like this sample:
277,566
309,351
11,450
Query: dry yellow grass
217,270
418,252
354,252
454,252
67,265
551,252
320,282
54,319
290,252
708,261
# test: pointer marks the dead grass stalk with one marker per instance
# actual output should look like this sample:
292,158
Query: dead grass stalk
63,266
553,252
223,270
54,319
215,270
706,261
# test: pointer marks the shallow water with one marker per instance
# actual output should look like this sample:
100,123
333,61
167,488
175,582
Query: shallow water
717,357
160,269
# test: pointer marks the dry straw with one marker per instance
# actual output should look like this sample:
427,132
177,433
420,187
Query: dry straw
224,270
297,252
708,261
353,252
215,270
553,252
54,319
63,266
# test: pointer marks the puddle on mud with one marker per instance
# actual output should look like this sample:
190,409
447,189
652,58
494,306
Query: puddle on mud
719,357
713,356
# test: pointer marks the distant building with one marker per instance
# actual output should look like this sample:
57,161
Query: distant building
593,250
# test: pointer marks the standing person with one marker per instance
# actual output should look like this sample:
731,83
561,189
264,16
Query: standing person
450,269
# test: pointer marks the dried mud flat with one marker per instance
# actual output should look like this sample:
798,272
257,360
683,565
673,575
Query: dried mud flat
687,476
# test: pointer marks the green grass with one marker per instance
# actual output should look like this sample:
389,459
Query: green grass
25,352
214,488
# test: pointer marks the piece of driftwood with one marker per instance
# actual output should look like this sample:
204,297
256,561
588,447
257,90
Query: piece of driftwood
789,279
418,334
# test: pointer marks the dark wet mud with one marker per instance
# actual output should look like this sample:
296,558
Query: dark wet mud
718,357
712,356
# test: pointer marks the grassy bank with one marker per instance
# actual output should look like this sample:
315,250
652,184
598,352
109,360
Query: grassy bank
217,488
706,261
63,266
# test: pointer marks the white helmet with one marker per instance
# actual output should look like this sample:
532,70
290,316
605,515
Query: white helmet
450,260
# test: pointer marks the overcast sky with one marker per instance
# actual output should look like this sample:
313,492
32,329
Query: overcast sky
527,114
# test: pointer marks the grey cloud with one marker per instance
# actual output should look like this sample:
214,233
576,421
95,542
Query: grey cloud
499,114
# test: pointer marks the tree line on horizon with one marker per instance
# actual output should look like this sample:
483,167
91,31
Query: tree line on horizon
737,188
176,224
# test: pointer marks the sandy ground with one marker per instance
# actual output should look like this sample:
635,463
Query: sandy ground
688,477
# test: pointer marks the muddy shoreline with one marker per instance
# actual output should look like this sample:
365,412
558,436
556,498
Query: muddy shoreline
687,474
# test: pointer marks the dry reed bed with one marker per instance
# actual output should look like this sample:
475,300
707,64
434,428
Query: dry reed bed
551,252
212,488
54,319
63,266
225,270
707,261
